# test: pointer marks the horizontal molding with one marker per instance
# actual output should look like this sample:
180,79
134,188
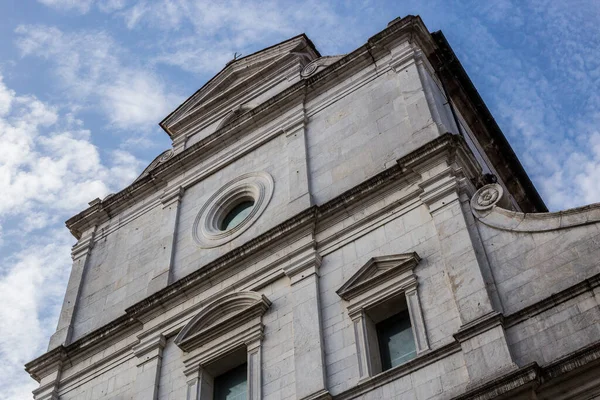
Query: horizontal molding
478,326
588,285
534,377
52,359
521,379
395,373
96,369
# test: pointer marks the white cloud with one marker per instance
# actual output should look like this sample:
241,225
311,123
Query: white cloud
31,286
543,93
48,162
91,66
82,6
137,98
49,169
203,35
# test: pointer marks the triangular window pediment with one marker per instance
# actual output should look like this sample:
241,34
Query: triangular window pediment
377,271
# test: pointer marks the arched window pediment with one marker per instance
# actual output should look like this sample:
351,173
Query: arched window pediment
221,316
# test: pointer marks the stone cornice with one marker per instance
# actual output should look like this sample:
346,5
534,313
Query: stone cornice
534,377
522,379
367,278
220,317
47,362
222,103
308,219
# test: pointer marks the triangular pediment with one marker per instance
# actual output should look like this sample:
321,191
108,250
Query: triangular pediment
241,77
376,271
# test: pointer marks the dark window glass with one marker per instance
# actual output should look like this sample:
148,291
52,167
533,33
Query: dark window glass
237,215
232,385
396,342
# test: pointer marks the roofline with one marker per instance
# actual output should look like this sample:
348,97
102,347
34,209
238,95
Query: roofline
438,52
302,35
450,61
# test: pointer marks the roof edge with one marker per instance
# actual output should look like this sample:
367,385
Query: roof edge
532,202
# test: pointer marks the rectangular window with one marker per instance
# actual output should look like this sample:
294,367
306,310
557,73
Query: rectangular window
232,385
396,341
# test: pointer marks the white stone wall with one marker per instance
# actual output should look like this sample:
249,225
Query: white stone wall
530,266
270,158
115,382
119,271
352,139
557,331
413,231
441,380
365,131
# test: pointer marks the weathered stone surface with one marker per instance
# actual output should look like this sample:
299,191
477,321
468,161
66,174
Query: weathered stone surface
366,165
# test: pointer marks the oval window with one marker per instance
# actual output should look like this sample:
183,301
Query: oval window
236,215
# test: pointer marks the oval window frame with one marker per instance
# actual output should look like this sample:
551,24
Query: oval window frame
257,186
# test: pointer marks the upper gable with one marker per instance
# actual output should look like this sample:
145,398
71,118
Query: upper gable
243,84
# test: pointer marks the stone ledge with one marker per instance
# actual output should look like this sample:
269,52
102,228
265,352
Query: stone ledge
478,326
395,373
495,216
524,378
45,363
320,395
533,377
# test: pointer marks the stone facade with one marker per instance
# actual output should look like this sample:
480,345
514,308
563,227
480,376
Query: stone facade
377,181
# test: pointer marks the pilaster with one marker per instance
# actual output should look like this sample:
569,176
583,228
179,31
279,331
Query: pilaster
254,367
309,364
365,369
47,371
441,195
298,183
80,254
199,384
48,389
171,201
149,355
437,110
482,336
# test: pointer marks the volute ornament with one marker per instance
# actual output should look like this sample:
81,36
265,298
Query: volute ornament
487,197
310,68
166,156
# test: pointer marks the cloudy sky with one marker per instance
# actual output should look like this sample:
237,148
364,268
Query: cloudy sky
84,83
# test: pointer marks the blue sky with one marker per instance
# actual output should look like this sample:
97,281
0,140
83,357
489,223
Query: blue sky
84,83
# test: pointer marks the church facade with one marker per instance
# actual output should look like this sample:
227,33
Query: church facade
331,227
